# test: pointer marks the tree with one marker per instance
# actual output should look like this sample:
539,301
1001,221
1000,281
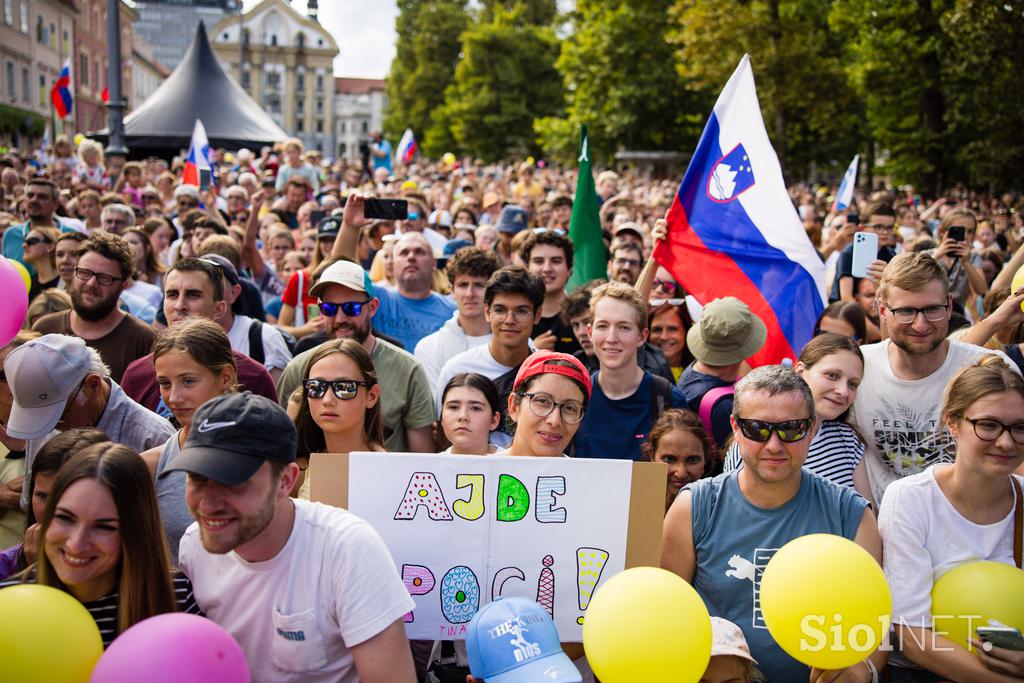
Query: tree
426,53
811,112
620,80
505,79
532,12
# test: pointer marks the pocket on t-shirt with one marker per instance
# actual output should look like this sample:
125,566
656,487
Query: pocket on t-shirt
298,644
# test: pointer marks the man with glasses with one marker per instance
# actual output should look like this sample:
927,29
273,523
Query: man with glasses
58,383
773,422
348,301
549,254
627,259
898,405
512,306
104,271
881,220
41,199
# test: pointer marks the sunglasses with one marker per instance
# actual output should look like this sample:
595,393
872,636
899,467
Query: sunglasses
33,241
351,309
344,389
789,431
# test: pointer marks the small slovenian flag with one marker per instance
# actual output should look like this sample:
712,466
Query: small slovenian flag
60,94
407,146
733,230
199,156
844,196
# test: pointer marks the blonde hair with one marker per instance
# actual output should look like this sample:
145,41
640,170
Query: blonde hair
990,375
622,292
953,214
93,146
912,271
293,142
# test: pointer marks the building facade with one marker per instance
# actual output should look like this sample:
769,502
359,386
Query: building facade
91,62
359,105
147,73
168,26
286,66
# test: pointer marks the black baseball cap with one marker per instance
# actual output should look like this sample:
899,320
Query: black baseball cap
232,435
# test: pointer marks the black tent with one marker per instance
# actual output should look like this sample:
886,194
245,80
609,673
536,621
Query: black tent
198,88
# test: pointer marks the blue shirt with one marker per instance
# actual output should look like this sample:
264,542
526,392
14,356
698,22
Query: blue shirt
14,238
384,161
733,539
616,429
409,320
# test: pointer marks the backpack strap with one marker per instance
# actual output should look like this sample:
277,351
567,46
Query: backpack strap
1018,522
256,342
300,303
707,404
661,394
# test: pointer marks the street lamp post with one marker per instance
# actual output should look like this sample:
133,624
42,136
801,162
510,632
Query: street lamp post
115,105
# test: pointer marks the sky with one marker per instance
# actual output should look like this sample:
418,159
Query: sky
364,31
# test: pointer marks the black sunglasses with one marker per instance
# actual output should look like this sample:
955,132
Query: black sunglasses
351,309
789,431
33,241
344,389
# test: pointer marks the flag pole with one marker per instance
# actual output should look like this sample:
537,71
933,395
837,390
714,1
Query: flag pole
115,107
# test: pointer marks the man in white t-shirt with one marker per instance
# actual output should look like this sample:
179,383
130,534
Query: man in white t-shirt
309,591
468,272
512,306
900,398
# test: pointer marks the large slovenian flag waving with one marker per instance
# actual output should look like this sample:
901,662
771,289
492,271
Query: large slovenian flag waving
199,156
844,196
733,230
407,146
60,93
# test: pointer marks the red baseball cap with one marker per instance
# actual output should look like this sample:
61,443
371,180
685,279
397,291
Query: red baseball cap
542,362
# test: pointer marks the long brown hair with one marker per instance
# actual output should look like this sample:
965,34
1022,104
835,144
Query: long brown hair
310,436
145,588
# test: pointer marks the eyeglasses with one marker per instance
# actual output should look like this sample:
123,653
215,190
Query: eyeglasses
541,405
789,431
84,274
663,284
988,429
879,227
541,231
499,312
344,389
33,241
906,316
351,309
620,261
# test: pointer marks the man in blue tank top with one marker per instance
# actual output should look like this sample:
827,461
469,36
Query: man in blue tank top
721,532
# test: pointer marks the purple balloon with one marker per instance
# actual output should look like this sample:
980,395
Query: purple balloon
13,302
173,648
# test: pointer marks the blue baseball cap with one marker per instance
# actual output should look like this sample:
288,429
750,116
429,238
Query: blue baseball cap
513,640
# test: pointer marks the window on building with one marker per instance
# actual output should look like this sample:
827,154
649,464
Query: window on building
366,126
245,37
25,85
67,45
273,40
42,91
319,125
12,93
23,10
40,29
98,70
8,12
319,106
300,41
319,83
300,126
342,129
300,82
83,68
342,148
53,36
246,79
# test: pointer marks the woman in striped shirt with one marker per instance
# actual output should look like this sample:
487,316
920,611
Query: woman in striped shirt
103,542
832,365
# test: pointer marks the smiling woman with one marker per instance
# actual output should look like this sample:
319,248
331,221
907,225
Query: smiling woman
549,397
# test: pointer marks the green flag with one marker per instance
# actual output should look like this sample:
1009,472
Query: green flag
589,259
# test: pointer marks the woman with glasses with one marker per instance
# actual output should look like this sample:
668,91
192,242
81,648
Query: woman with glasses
832,366
39,246
194,363
339,410
549,396
952,514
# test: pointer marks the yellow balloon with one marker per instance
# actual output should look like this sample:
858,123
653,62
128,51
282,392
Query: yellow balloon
530,161
967,597
826,601
1018,282
23,272
647,624
78,138
448,158
46,635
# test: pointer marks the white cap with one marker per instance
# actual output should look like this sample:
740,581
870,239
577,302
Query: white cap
42,375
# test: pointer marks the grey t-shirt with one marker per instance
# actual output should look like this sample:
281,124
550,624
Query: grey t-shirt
170,498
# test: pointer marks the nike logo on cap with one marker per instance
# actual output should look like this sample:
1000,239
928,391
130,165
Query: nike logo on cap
208,426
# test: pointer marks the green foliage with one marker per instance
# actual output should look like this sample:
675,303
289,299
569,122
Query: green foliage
427,51
505,79
526,12
810,111
620,80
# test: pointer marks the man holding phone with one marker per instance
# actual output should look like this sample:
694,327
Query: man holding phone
956,235
881,221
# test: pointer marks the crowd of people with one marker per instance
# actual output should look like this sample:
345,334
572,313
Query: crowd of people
186,350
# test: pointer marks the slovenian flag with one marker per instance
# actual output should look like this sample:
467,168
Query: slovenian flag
199,156
60,93
844,196
406,146
733,230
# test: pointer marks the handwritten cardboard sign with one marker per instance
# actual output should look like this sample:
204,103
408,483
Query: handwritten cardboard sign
464,530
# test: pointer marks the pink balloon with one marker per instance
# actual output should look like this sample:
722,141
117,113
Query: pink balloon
13,302
173,648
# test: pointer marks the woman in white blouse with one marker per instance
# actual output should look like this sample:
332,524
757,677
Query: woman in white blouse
952,514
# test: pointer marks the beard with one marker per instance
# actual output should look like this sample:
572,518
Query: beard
96,311
904,344
355,330
248,527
